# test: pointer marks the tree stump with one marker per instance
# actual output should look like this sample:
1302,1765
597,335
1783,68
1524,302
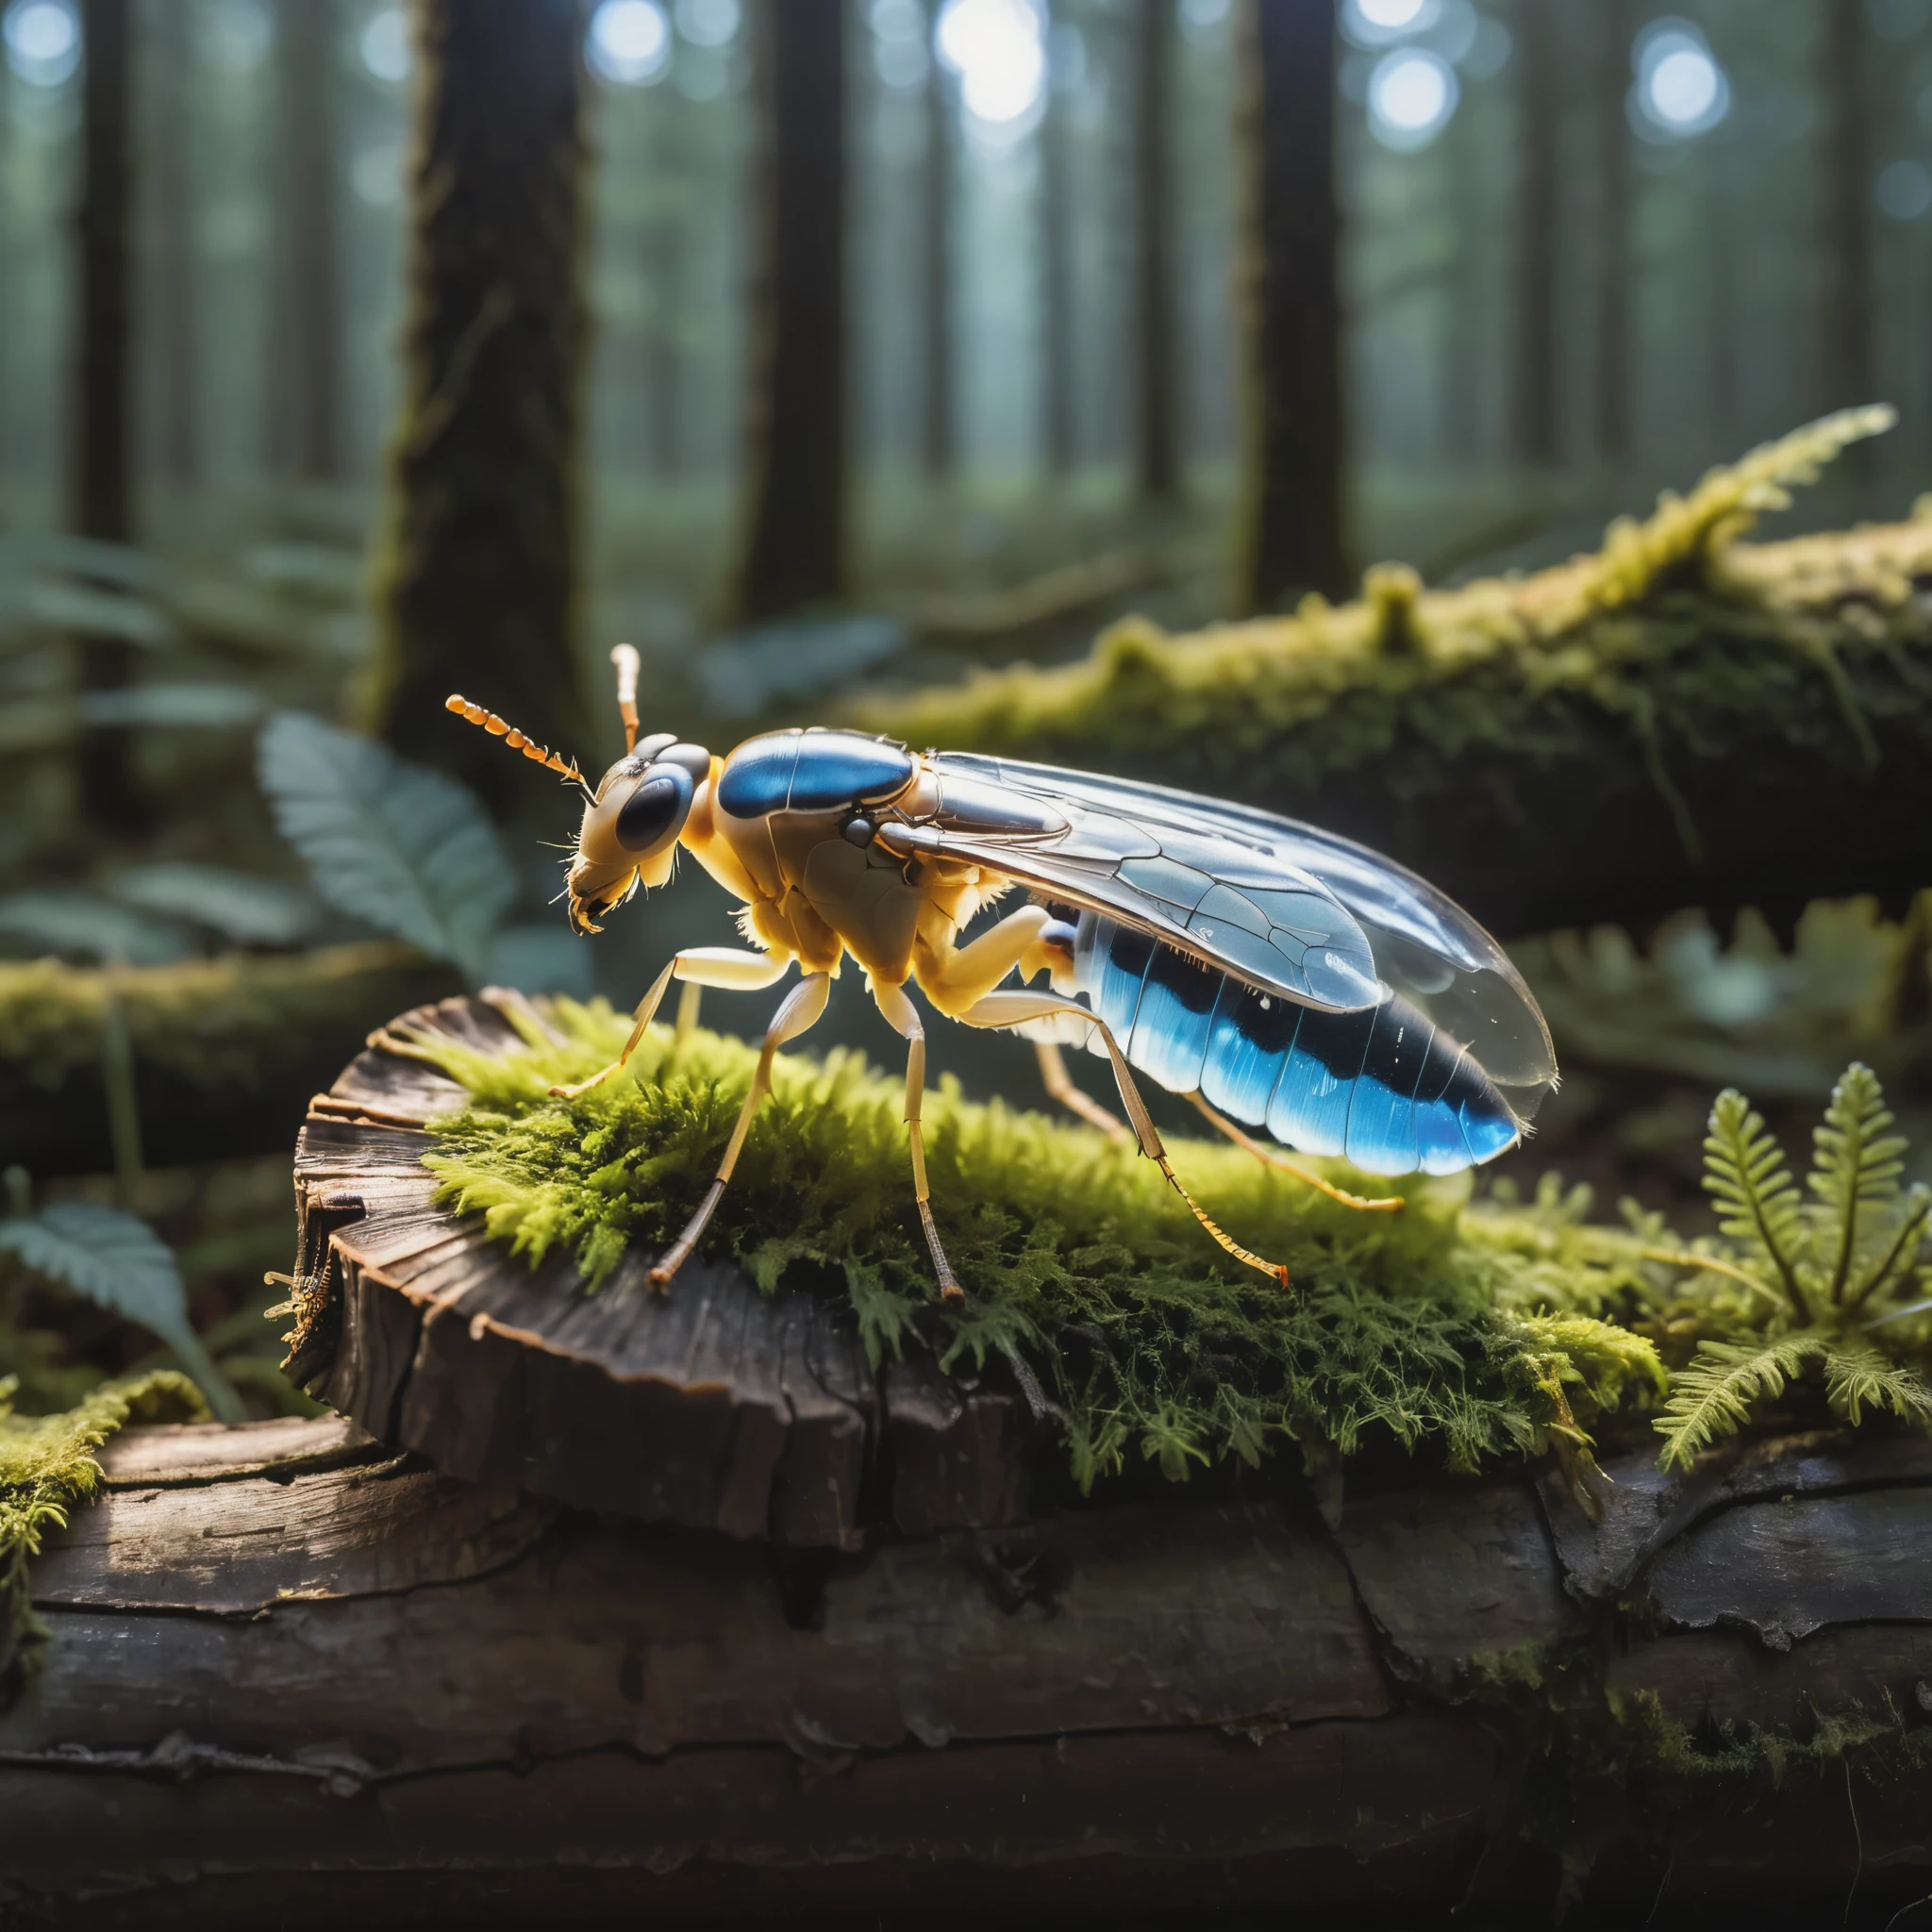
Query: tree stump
293,1674
714,1407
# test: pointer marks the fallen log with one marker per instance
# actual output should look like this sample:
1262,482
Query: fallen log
226,1052
292,1670
1681,720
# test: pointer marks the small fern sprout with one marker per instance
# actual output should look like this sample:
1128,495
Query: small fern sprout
1856,1242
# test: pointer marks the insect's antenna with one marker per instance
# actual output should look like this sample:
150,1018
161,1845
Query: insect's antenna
626,658
511,736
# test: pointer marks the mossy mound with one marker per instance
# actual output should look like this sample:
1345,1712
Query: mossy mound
1460,1330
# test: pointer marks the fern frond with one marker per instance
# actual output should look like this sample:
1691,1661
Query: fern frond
1857,1377
1758,1202
1856,1165
1712,1395
1895,1262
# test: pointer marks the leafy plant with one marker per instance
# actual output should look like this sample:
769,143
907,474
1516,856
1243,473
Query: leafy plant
407,850
119,1263
1826,1275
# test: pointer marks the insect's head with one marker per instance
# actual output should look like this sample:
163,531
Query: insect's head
631,823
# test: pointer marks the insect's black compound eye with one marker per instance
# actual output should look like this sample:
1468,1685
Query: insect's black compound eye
654,814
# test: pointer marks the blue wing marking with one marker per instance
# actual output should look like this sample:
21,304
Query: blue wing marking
1249,1039
1170,1040
1310,1106
1381,1117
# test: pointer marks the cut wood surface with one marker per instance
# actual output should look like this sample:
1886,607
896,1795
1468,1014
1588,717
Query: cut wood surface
284,1659
715,1406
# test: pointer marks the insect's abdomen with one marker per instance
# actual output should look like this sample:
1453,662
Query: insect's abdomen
1380,1086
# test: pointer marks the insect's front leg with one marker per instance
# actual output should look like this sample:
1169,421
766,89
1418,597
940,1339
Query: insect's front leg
902,1016
799,1010
1000,1010
720,966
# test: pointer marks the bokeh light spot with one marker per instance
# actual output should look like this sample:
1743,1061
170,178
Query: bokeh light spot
997,49
43,40
1905,191
385,47
1412,94
629,42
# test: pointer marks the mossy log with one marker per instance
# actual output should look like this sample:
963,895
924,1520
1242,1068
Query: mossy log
287,1664
1682,720
227,1052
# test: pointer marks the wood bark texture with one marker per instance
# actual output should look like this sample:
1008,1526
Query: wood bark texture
289,1663
714,1407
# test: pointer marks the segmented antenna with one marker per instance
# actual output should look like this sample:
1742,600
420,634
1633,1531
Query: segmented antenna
511,736
626,658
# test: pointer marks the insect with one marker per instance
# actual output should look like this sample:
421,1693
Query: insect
1279,978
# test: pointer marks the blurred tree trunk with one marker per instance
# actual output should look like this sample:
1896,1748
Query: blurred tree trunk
1055,286
1843,239
665,249
1156,446
795,543
99,471
1290,528
1463,361
174,298
477,590
1533,397
1614,254
937,437
306,308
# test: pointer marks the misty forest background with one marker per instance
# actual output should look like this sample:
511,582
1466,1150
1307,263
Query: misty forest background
813,343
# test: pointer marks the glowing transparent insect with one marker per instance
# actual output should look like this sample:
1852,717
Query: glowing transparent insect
1275,976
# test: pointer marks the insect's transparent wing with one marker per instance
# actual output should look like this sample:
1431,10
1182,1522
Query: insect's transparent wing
1421,942
1231,904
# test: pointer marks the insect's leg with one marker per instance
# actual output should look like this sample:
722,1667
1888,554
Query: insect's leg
1060,1086
700,965
902,1016
689,995
798,1011
1003,1009
955,979
1383,1205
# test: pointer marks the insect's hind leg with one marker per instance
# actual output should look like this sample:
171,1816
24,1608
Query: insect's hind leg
722,966
999,1010
1385,1204
799,1010
902,1016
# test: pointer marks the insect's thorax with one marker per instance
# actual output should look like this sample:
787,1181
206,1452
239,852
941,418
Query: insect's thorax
792,807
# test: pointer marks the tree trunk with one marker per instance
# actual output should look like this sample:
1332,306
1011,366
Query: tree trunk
478,590
1056,285
1157,440
1289,308
793,554
1533,386
665,252
1615,257
938,368
306,310
291,1676
99,479
1842,243
174,283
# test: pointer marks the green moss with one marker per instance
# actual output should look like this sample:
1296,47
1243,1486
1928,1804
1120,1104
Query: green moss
47,1469
1571,671
1457,1330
